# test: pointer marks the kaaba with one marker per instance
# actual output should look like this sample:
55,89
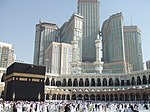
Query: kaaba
24,82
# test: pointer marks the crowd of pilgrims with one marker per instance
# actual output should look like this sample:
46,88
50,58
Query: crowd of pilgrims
72,106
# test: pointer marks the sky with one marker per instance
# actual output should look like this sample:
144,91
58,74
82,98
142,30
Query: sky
19,17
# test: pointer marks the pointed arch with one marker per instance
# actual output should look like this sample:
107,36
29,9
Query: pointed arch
117,82
86,82
81,82
98,82
138,80
110,82
86,97
98,97
64,82
58,83
92,82
70,82
74,97
75,82
92,97
52,82
144,79
47,82
104,82
80,97
133,81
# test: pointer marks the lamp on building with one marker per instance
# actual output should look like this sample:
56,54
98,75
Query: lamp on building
39,97
14,95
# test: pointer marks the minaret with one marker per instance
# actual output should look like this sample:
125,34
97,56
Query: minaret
98,48
98,63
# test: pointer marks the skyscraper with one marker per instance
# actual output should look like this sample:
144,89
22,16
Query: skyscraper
113,44
89,9
133,47
73,31
7,56
45,34
122,47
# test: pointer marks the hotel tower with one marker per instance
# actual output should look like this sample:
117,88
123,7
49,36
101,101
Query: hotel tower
89,9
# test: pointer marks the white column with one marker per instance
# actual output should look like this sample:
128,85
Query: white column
74,51
98,63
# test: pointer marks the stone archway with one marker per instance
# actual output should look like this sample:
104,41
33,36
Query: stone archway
58,83
52,82
81,82
80,97
92,97
144,79
64,82
54,97
110,82
117,83
68,97
70,82
86,82
98,82
86,97
75,82
104,82
47,96
47,82
138,80
92,82
98,97
74,97
133,81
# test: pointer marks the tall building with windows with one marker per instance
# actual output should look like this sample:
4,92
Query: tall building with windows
113,45
7,56
133,47
89,9
59,58
73,31
45,34
148,64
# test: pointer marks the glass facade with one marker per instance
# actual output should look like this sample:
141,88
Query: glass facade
133,47
113,39
113,45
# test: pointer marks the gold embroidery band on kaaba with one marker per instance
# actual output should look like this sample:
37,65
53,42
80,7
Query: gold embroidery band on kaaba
23,75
